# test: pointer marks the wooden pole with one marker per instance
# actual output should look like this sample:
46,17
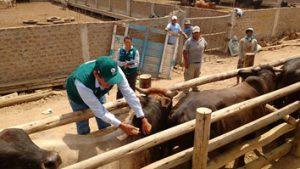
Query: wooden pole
226,138
271,156
252,126
289,119
248,104
25,98
187,127
296,142
60,120
221,76
202,134
243,148
134,147
172,161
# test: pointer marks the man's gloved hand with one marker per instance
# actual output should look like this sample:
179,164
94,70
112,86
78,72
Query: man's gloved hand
146,126
129,129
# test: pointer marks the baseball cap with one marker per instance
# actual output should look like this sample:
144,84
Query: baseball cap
108,70
196,29
174,17
187,22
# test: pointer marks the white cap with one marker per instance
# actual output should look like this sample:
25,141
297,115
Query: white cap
250,29
174,17
196,29
187,22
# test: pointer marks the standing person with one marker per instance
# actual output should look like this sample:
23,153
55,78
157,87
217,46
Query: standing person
174,30
187,28
129,62
193,51
248,44
86,87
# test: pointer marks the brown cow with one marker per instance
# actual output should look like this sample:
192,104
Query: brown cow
262,80
17,151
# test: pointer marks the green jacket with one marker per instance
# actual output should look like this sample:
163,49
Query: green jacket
128,57
84,73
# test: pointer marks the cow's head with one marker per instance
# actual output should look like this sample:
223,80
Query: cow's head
262,78
157,104
17,151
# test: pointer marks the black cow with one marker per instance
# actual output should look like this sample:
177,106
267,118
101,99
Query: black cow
17,151
290,74
258,81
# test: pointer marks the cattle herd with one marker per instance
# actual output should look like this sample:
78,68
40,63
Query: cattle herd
17,151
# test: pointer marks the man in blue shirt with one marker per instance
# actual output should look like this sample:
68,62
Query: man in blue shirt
174,30
187,29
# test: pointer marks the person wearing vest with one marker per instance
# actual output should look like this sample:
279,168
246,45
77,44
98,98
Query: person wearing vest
87,86
129,62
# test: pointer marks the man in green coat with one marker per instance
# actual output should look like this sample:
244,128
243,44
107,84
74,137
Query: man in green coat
88,84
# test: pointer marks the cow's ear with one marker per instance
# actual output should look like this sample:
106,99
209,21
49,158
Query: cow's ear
165,102
143,100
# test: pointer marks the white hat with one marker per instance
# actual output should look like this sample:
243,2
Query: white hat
250,29
174,17
196,29
187,22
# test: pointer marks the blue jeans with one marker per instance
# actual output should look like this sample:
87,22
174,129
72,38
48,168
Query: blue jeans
83,126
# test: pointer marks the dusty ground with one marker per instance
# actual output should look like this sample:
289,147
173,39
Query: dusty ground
27,112
13,17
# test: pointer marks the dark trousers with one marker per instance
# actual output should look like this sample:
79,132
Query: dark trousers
131,80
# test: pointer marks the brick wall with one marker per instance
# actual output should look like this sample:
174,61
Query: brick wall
103,4
288,20
99,39
39,52
261,20
140,9
193,12
119,6
268,22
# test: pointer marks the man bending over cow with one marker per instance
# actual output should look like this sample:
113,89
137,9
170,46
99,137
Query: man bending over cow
88,84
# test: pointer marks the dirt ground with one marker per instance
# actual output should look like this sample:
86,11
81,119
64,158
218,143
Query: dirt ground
27,112
39,11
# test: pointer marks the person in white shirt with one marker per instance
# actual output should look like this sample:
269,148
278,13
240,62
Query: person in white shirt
174,29
86,87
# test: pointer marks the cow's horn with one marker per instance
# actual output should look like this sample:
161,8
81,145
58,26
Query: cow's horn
277,69
257,68
171,94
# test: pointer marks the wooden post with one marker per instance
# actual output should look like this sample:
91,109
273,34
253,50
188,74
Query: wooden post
145,81
289,119
249,60
202,133
296,142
